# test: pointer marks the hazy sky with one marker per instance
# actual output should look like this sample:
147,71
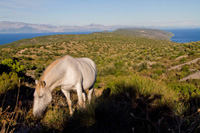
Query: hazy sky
106,12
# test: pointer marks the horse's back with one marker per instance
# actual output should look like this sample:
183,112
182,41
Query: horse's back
79,70
87,61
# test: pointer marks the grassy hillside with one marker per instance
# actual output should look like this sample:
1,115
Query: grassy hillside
147,33
139,88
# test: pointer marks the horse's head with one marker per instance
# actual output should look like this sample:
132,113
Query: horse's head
42,97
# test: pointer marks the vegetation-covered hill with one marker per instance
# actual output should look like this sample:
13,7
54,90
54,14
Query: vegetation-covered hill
140,91
147,33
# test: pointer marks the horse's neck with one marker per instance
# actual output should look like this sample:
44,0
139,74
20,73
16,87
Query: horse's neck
51,80
54,72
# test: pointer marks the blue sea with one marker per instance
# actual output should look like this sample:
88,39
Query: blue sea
11,37
180,35
185,35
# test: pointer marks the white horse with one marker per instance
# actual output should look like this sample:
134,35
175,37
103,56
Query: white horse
71,74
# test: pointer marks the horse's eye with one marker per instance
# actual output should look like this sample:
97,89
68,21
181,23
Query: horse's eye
40,96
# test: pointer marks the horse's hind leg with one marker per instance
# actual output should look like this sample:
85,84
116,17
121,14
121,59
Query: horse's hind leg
69,102
84,94
80,95
91,91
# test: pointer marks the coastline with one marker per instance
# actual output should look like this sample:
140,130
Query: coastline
185,35
6,38
179,35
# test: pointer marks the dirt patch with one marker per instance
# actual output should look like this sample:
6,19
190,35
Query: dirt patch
181,65
98,92
149,63
195,75
180,57
20,52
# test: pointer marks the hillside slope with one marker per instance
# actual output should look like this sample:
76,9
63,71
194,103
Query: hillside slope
143,33
140,93
114,54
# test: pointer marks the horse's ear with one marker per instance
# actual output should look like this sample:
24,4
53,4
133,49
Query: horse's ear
36,81
43,83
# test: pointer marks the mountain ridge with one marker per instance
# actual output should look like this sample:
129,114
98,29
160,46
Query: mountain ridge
18,27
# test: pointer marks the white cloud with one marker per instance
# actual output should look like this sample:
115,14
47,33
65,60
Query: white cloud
18,10
15,5
182,23
185,23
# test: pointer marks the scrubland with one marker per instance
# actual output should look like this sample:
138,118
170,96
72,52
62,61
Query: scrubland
138,92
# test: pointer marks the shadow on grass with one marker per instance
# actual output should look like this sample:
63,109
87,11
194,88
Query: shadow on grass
25,98
191,119
121,112
15,105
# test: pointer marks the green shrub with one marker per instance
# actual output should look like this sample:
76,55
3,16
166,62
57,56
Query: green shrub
31,66
172,57
183,59
8,81
143,66
185,69
191,53
154,76
96,84
107,71
198,62
13,65
144,86
195,82
54,118
158,72
180,54
38,71
157,65
119,64
186,90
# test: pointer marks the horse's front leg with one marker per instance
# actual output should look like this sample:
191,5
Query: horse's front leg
69,102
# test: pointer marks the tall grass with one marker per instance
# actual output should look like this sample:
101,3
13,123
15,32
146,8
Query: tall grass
54,118
130,103
146,87
134,103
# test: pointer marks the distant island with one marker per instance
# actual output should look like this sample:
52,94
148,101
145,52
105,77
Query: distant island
19,27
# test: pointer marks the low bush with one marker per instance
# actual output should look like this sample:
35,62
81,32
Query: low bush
185,69
11,65
185,90
8,81
55,118
38,71
143,66
158,72
146,87
183,59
